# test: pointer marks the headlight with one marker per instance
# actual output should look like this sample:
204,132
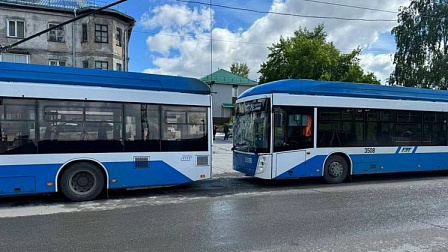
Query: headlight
261,165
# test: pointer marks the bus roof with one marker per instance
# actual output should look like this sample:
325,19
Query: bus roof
14,72
345,89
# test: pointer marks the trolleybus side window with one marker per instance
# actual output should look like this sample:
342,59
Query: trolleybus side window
184,128
340,127
293,128
142,127
83,127
408,128
382,128
17,126
434,129
379,127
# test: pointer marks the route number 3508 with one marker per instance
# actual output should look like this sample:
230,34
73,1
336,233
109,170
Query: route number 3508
369,150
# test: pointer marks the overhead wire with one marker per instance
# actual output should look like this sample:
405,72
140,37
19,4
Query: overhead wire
288,14
350,6
283,14
363,8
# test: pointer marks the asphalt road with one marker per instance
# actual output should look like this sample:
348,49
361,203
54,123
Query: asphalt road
373,213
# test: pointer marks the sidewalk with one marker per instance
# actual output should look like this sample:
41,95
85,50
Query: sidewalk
223,158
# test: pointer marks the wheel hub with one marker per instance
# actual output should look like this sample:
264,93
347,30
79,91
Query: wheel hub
335,169
82,182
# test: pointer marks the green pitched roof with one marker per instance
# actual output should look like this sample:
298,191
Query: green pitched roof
225,77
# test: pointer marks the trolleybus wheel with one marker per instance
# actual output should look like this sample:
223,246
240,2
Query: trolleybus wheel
82,181
335,170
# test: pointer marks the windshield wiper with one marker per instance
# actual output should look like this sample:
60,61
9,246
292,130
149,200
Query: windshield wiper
241,147
237,146
253,150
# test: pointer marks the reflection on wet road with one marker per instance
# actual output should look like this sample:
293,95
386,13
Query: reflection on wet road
390,212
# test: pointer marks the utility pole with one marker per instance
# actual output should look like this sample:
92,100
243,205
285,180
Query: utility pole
211,41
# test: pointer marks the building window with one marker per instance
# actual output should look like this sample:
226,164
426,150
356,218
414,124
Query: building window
101,32
15,58
103,65
119,36
15,29
234,91
118,67
85,64
56,35
56,63
84,33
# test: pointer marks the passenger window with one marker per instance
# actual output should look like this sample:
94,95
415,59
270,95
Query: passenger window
293,128
83,127
17,126
379,128
142,127
346,130
408,134
408,129
184,128
176,117
434,129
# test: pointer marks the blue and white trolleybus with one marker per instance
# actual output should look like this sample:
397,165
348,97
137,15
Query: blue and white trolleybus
83,131
304,128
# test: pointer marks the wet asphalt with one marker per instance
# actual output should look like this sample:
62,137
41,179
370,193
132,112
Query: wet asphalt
397,212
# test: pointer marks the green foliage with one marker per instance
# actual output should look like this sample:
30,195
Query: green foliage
240,69
308,55
421,59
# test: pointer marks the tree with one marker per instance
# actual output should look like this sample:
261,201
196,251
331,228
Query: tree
240,69
308,55
421,59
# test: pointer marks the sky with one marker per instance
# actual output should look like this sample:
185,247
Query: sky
174,36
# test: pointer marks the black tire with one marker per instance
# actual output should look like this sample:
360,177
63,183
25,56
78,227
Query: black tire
335,169
82,181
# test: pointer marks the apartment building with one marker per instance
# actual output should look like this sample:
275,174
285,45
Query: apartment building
226,87
99,41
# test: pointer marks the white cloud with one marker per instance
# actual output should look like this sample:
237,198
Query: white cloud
183,35
163,43
381,65
177,17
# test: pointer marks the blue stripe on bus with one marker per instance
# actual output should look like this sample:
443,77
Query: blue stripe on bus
158,173
403,162
306,169
32,179
375,163
245,163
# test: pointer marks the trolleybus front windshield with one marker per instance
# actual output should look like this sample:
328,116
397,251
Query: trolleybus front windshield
252,126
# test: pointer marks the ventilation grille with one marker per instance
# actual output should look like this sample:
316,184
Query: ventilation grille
141,162
201,160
